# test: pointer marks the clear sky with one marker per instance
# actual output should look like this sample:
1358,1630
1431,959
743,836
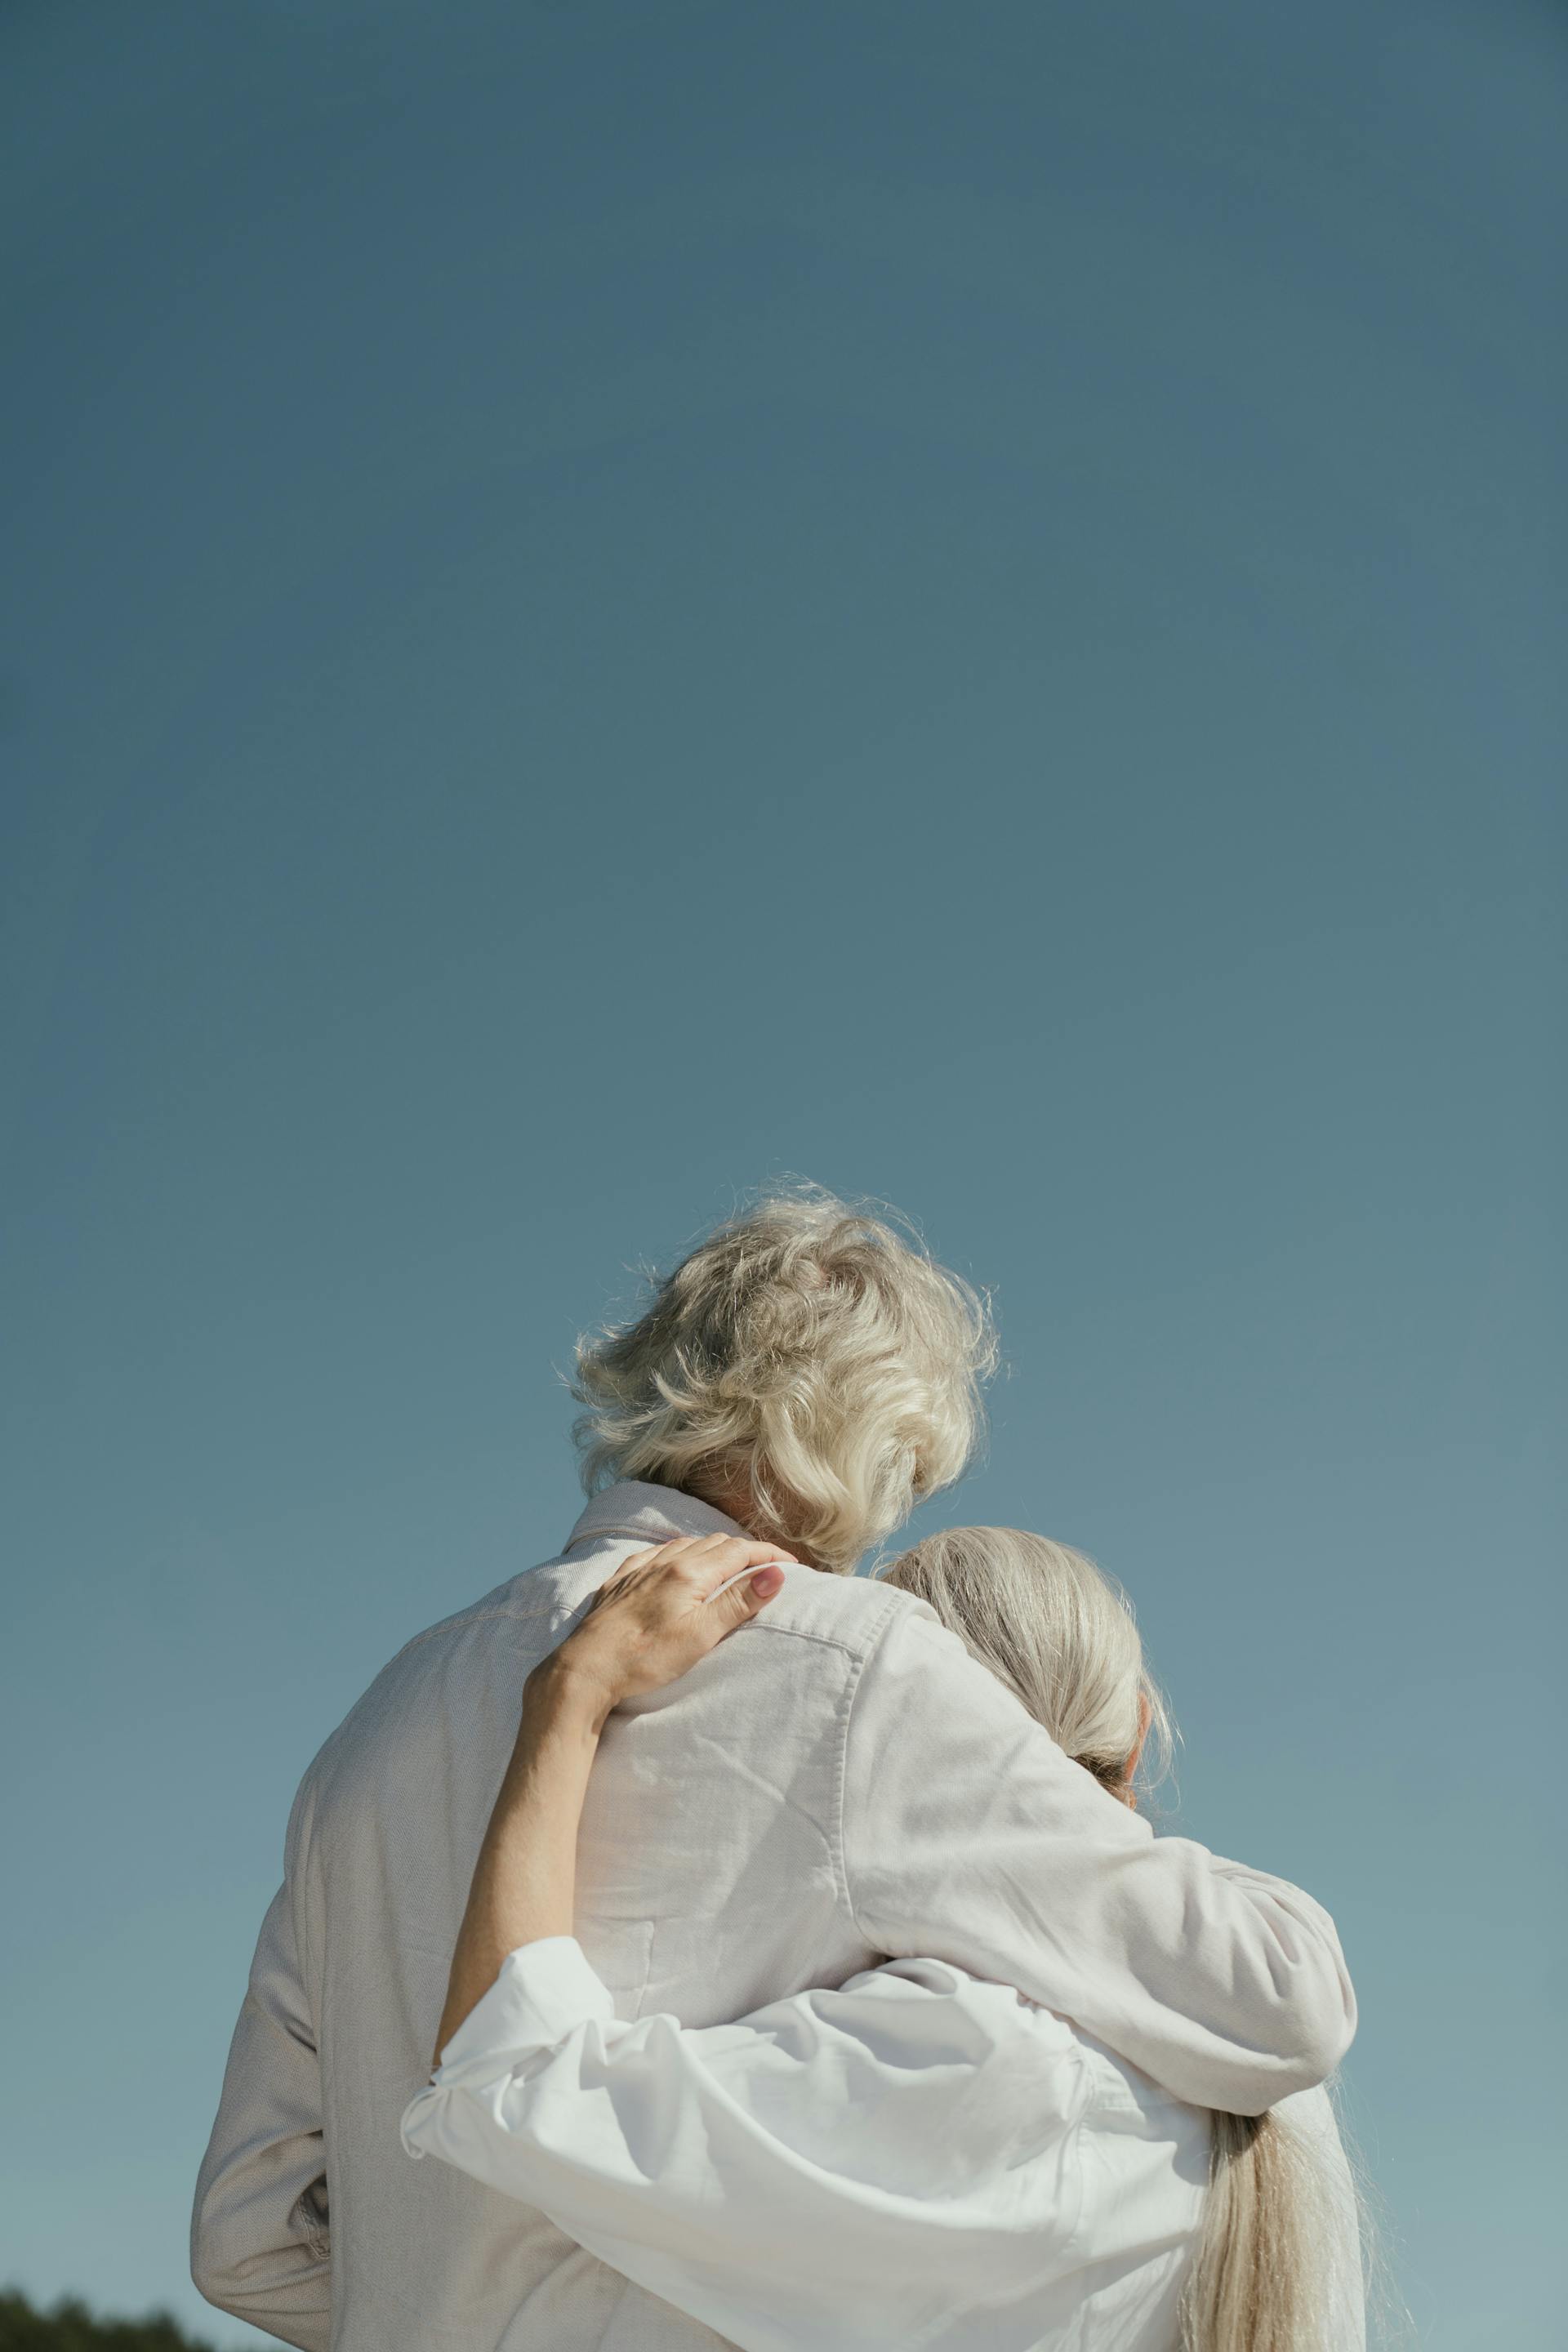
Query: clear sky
608,600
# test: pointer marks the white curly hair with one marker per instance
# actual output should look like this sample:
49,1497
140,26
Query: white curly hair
809,1368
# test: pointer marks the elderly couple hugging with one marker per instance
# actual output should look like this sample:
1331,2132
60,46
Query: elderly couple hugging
812,1980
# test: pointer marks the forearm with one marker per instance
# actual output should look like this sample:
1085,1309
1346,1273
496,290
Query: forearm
524,1883
969,1835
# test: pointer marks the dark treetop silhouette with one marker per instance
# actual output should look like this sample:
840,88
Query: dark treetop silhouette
71,2327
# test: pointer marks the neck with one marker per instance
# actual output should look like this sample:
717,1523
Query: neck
728,1490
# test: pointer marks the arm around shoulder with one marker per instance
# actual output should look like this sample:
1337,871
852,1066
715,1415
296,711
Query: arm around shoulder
969,1835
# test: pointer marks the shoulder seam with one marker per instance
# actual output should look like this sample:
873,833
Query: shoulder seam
809,1634
468,1617
841,1776
547,1608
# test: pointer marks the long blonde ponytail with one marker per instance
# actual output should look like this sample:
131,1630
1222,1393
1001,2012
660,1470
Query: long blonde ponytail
1264,2276
1050,1625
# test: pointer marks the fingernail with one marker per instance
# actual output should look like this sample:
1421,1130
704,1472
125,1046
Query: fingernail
766,1581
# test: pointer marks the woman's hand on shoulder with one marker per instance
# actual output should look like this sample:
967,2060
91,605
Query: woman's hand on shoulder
661,1612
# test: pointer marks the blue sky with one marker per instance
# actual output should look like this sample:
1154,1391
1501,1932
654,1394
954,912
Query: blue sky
609,602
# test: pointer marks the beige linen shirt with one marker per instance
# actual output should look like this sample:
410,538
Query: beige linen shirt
838,1782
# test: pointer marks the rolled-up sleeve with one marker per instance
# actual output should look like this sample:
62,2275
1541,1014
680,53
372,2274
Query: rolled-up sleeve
966,1832
260,2247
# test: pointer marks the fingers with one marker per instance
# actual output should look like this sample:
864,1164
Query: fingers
640,1565
743,1595
728,1558
703,1563
748,1576
664,1608
712,1584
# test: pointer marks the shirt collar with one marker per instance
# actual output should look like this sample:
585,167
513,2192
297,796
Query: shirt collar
636,1512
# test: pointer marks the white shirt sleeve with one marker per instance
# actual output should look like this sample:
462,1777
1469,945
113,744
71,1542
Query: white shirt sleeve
968,1833
855,2168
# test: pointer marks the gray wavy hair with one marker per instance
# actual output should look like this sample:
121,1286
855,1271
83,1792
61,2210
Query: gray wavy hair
809,1367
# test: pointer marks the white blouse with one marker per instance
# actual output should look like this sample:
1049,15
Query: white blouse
919,2159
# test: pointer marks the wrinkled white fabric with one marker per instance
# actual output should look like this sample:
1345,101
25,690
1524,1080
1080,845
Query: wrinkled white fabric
917,2159
837,1783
